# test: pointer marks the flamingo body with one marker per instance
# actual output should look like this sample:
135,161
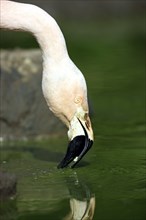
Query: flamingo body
63,84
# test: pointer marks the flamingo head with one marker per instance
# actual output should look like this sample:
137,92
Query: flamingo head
81,138
66,97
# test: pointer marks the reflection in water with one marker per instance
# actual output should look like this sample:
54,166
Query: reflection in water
31,203
82,201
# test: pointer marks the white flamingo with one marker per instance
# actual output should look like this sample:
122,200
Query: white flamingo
63,84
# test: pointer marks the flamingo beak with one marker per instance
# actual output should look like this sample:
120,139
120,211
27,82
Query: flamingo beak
77,148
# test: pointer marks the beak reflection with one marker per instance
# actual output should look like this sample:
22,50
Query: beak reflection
82,199
77,148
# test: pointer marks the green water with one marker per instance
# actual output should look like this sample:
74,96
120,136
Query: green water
112,175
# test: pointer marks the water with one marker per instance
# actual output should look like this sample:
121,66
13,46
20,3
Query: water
109,183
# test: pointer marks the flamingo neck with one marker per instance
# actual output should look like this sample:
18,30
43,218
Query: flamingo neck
33,19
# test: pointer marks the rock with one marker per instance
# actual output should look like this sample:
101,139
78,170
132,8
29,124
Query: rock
23,111
8,183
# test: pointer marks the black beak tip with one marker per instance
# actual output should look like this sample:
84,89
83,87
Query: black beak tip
77,148
84,151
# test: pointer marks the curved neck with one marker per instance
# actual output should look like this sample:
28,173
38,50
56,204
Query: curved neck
35,20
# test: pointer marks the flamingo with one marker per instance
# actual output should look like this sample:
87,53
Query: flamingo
63,84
